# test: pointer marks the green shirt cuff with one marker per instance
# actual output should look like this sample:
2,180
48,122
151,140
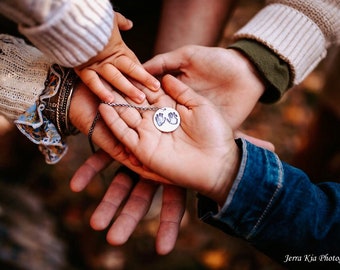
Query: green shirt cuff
273,70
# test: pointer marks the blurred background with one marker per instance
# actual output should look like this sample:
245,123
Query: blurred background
43,225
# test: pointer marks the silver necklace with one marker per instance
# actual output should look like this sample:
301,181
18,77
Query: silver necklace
127,105
165,119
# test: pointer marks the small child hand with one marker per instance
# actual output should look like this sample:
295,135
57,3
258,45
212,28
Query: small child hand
115,64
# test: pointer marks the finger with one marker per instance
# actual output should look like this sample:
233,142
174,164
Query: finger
181,92
87,171
258,142
164,63
173,208
123,23
135,209
118,123
154,98
129,114
113,75
118,191
92,80
137,72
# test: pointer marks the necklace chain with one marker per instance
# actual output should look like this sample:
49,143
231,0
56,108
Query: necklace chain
112,104
141,108
165,123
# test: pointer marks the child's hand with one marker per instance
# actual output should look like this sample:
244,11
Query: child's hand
115,64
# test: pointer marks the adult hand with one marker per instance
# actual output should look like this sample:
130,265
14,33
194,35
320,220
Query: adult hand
173,197
113,64
134,197
200,154
224,76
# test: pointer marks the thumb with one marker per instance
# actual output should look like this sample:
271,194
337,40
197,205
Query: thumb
123,23
181,92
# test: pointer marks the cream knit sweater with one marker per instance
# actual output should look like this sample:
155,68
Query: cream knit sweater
23,71
70,32
298,31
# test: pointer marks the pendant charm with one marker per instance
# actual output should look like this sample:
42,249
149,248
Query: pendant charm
166,119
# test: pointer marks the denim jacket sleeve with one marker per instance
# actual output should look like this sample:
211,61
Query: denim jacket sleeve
276,208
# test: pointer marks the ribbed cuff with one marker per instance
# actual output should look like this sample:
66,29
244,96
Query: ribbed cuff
76,32
291,35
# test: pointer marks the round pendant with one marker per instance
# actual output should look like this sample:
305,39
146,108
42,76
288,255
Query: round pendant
166,119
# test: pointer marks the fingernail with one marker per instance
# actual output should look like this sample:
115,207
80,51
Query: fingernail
141,97
110,99
156,85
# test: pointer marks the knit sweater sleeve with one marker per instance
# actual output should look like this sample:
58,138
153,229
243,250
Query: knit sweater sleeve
23,71
70,32
298,31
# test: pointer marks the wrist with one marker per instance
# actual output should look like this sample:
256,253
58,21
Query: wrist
229,170
46,122
250,72
270,69
83,108
57,97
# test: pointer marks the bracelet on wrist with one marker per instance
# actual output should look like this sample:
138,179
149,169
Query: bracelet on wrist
57,97
46,122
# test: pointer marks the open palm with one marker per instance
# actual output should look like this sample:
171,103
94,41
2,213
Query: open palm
224,76
191,154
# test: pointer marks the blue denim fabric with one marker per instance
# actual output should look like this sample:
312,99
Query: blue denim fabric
275,207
